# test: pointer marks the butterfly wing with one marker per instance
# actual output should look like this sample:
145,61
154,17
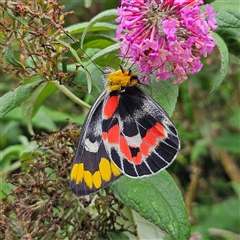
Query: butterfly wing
92,169
138,134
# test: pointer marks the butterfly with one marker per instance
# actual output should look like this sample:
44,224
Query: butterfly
125,132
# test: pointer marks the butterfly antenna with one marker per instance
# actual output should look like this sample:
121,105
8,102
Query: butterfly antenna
84,52
125,57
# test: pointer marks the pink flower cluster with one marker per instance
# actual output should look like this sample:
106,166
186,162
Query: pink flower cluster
166,36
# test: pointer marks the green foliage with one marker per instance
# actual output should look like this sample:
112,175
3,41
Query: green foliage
52,77
210,215
164,93
31,106
14,98
42,204
10,58
157,199
224,60
229,24
229,142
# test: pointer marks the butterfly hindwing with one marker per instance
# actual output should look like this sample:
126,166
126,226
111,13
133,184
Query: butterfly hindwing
138,135
92,169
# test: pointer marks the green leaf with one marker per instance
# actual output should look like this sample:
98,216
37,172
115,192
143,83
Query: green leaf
199,149
10,57
228,19
229,142
108,14
43,120
224,60
29,150
19,19
47,91
236,188
234,118
72,50
99,26
98,41
222,215
14,98
34,102
5,189
105,51
117,236
71,95
165,93
10,152
227,13
157,199
146,230
231,39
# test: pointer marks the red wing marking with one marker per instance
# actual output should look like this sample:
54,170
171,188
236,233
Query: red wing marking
124,148
113,134
153,134
138,158
104,136
144,149
158,130
110,107
150,140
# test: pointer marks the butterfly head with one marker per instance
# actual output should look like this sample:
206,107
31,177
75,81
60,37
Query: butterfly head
120,79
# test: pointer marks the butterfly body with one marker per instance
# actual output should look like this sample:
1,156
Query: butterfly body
125,132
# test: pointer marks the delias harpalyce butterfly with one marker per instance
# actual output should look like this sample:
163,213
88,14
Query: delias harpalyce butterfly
125,132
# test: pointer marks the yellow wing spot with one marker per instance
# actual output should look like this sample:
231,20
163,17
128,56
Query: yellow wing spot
77,172
88,178
105,169
115,169
121,79
97,180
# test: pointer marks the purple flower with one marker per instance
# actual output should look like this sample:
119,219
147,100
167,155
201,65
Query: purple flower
169,26
166,36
